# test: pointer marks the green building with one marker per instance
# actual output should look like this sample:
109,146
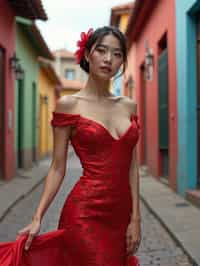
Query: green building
29,46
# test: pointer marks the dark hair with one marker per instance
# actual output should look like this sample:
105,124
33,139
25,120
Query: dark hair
97,36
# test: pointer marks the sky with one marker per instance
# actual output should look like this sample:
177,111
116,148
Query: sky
67,19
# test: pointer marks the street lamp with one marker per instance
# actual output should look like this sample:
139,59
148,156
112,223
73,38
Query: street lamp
149,58
19,72
14,61
16,67
45,99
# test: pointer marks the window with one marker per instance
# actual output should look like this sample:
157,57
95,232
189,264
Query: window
70,74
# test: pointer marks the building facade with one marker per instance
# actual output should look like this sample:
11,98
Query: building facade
188,91
48,84
119,18
154,36
8,73
29,46
7,49
66,66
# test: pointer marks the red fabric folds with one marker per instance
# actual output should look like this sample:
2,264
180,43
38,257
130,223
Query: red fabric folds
95,216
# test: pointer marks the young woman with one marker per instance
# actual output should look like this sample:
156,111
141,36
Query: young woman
100,220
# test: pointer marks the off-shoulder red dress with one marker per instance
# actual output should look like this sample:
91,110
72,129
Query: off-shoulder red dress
96,213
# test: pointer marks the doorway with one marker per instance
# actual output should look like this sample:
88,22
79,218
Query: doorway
163,111
19,122
34,122
198,100
2,74
43,126
144,111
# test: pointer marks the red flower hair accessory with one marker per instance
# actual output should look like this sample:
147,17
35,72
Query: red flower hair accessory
81,44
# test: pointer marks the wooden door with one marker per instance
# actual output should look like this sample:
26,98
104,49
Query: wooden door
2,64
144,107
19,122
34,122
163,109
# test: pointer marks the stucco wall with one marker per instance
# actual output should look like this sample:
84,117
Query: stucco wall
187,93
7,43
28,60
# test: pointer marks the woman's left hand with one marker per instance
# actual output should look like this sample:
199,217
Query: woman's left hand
133,237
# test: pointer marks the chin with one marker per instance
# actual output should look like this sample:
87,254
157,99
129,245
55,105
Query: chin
104,76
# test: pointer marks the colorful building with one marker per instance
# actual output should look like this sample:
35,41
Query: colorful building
119,18
29,46
8,69
49,84
70,87
71,75
188,96
66,66
154,35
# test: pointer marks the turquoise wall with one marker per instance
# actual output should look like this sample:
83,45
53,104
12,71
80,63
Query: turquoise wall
187,94
28,60
117,84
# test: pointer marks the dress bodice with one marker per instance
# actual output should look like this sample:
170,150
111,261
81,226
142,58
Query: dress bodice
96,148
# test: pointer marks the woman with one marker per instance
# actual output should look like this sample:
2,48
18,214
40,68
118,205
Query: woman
100,220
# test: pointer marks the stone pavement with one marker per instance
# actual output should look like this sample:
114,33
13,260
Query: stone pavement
177,215
157,248
21,185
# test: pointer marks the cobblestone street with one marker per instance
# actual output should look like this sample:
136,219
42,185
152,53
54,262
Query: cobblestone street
157,247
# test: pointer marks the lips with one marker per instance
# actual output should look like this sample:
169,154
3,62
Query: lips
105,68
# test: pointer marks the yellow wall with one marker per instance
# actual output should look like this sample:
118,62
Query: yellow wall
123,22
122,26
46,88
131,55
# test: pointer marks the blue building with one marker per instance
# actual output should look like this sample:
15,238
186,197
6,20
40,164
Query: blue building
117,84
188,94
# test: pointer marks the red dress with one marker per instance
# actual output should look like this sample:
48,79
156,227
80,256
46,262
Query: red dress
96,213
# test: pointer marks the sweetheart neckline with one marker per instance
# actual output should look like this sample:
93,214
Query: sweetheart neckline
101,125
106,130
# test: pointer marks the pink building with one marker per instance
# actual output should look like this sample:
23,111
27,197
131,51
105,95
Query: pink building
152,33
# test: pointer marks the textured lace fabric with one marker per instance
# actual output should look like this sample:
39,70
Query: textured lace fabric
96,213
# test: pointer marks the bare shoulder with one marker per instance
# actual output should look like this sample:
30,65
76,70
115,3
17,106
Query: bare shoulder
129,104
65,104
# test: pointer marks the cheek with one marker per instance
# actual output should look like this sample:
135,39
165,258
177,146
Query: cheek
117,64
95,58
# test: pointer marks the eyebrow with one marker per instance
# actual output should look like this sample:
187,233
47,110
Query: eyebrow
106,46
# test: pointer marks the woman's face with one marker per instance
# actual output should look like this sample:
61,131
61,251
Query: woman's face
105,58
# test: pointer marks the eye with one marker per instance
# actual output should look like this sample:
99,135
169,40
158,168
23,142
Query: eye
118,55
101,50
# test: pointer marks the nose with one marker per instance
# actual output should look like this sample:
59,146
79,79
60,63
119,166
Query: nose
108,56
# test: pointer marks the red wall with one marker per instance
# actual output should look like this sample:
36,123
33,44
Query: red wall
7,42
161,20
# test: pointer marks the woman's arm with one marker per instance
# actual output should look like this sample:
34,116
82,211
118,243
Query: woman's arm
56,172
54,178
133,233
134,183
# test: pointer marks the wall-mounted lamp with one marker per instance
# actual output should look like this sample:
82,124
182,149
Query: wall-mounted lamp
19,72
14,61
149,58
45,99
16,67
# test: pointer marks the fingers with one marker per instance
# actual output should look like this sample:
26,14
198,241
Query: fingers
23,231
132,245
29,241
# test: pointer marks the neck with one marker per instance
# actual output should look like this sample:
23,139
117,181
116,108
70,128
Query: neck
97,88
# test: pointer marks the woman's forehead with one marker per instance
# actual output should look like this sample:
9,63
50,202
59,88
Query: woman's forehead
110,40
